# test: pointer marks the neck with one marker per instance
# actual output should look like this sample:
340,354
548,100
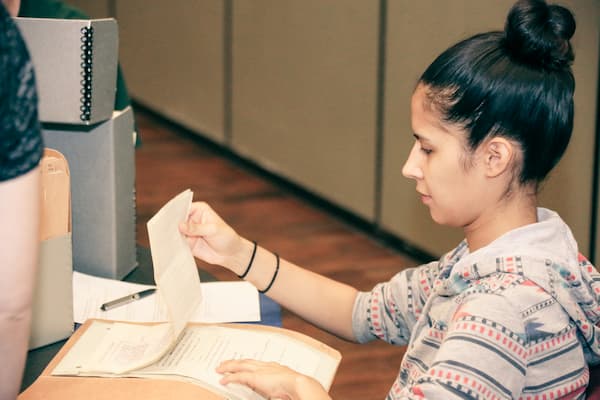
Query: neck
514,211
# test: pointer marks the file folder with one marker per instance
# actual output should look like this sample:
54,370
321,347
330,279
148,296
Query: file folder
52,306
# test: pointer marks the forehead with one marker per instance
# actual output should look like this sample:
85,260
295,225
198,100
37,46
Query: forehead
427,121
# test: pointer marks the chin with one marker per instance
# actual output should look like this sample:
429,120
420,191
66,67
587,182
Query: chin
444,219
436,218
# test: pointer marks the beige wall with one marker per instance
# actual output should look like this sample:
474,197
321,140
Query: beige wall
596,259
171,53
94,8
304,93
172,57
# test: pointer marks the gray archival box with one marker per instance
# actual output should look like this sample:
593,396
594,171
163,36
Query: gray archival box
101,161
75,64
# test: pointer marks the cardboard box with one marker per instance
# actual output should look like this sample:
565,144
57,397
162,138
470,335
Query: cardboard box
101,160
75,64
52,306
52,309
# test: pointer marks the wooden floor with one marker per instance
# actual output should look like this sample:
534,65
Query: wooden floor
171,160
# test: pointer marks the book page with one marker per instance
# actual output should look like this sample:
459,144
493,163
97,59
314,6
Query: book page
175,272
111,348
197,354
123,347
202,348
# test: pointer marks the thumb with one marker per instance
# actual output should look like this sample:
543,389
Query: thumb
193,229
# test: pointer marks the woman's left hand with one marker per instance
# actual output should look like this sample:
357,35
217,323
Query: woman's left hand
272,380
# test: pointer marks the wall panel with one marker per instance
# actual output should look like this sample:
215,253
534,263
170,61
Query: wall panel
172,57
304,94
93,8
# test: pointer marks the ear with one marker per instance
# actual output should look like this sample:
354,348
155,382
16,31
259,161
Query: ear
498,156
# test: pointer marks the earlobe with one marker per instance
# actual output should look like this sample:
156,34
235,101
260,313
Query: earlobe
498,156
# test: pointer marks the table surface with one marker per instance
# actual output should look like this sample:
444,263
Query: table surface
37,359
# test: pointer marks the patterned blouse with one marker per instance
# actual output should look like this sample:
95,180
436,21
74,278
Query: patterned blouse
21,145
517,319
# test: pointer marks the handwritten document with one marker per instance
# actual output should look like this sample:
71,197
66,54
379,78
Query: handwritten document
194,358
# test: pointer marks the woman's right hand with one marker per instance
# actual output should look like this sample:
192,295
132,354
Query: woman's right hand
272,380
212,240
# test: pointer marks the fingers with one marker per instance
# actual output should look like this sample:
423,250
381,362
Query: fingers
241,371
232,366
202,212
237,371
199,207
197,229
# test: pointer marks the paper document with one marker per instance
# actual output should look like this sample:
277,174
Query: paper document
196,355
222,301
178,286
177,349
175,271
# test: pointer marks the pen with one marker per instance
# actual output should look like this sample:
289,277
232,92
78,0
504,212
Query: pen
127,299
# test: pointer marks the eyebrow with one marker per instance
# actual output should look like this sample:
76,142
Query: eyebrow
420,138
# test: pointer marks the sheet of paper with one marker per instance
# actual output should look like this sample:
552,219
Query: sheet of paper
175,271
112,348
197,354
202,348
236,301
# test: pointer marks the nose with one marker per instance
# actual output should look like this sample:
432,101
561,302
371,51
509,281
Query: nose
411,168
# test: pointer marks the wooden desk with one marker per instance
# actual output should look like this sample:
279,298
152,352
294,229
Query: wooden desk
37,359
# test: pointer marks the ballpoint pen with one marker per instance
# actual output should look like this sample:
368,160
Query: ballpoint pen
126,299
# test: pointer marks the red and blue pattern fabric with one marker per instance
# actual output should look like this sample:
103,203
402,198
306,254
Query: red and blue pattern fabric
517,319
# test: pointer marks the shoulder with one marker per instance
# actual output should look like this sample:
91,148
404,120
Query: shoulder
513,302
21,143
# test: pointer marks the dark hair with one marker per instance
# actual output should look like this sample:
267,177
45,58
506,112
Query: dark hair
517,84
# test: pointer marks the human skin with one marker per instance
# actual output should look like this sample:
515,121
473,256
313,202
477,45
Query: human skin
19,244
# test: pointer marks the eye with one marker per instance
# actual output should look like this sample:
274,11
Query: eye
426,150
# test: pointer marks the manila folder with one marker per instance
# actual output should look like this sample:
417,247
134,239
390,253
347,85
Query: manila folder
154,386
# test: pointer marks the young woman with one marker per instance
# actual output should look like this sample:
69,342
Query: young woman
513,311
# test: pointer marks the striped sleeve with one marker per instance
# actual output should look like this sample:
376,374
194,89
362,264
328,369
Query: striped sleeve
511,344
484,353
391,309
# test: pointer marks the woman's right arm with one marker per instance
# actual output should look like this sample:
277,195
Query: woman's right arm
319,300
19,243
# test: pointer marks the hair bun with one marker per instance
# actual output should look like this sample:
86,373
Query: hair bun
538,34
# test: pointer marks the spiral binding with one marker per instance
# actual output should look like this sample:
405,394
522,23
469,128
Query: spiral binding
87,40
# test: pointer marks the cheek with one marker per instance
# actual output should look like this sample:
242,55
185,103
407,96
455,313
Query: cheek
445,176
453,196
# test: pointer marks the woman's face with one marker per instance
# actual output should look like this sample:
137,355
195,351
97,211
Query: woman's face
449,180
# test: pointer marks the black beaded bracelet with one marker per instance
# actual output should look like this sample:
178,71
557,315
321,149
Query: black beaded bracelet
265,290
242,276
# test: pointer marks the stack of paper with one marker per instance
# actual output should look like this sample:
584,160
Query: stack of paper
222,301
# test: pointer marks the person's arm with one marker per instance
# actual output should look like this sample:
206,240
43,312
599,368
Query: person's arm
19,244
320,300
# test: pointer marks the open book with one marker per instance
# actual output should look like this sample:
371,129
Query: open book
185,354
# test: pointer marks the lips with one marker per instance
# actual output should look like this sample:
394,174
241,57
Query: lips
424,198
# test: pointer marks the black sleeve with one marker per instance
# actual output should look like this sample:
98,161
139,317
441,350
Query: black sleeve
21,145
